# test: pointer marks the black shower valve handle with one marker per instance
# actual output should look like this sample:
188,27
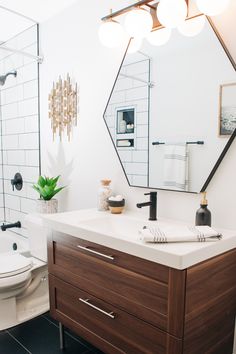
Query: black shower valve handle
13,184
17,182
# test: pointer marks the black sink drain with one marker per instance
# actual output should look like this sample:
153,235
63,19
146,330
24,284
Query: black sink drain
14,246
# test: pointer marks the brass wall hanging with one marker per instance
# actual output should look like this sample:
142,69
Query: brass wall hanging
63,107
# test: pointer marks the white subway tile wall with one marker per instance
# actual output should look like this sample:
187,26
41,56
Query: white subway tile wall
129,91
19,129
1,184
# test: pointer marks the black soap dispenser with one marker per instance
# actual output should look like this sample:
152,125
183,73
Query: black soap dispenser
203,214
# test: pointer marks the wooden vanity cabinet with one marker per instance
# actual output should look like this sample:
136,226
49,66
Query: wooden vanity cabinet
124,304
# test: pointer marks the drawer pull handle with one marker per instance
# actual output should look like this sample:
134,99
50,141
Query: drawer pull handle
86,302
95,252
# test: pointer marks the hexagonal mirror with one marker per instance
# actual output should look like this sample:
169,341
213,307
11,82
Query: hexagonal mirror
172,111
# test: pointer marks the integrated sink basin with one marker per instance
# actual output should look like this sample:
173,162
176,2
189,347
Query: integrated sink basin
121,232
121,226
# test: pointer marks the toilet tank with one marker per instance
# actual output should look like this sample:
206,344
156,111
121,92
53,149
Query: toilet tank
37,234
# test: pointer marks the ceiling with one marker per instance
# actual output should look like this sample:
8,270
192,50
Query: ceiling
7,29
38,10
31,10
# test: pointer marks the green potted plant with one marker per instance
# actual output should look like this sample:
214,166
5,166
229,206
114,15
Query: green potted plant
47,189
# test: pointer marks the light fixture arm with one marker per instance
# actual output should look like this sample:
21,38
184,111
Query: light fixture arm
132,6
126,9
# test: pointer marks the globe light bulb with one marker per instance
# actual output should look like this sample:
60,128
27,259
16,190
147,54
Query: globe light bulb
138,23
159,37
192,27
212,7
135,45
171,13
111,34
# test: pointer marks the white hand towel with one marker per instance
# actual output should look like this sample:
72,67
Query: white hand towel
176,166
179,234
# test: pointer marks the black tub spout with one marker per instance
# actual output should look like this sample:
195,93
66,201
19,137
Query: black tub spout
4,227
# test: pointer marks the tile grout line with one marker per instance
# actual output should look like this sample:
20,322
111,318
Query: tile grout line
11,335
19,101
31,132
18,165
19,196
18,84
22,117
19,149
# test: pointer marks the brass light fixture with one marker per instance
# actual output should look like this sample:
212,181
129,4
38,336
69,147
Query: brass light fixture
163,14
63,107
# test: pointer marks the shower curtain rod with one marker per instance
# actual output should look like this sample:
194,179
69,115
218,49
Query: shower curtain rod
12,50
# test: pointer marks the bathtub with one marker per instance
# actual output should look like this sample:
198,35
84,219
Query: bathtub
11,242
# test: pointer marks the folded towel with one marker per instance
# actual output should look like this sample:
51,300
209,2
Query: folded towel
176,166
121,143
179,234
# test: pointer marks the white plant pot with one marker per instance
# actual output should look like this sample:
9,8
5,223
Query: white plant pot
47,206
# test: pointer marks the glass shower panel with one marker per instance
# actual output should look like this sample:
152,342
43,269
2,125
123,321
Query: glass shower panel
19,125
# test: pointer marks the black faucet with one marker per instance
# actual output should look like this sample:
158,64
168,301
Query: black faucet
153,205
9,226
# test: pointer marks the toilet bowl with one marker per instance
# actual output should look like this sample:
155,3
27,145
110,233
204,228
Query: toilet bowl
24,278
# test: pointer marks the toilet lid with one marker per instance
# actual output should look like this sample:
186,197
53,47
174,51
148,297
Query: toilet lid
13,264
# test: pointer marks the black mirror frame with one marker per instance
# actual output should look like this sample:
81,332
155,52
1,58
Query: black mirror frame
227,146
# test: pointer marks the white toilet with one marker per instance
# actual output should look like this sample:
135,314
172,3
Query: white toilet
24,278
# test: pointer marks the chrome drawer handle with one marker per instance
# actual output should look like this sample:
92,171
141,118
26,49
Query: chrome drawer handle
86,302
95,252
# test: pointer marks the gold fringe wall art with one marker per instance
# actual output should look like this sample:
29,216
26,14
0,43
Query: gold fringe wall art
63,107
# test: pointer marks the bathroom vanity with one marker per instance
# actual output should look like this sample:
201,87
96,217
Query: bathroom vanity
124,296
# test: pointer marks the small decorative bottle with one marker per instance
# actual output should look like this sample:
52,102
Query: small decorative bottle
203,214
123,126
104,193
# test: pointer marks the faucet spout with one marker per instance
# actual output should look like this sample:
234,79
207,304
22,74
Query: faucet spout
140,205
152,204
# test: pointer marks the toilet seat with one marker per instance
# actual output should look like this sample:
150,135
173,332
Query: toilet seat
14,264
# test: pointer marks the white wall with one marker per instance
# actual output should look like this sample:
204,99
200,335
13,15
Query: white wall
70,44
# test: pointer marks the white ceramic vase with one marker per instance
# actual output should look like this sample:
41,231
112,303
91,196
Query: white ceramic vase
47,206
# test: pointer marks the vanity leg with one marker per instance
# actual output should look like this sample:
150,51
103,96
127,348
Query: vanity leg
62,336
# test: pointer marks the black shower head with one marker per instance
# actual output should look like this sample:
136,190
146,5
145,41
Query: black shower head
4,77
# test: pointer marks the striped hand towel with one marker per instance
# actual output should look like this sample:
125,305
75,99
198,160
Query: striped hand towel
176,166
156,234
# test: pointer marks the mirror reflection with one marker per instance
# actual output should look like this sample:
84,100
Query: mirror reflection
172,111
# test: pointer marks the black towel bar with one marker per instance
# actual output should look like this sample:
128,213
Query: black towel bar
187,142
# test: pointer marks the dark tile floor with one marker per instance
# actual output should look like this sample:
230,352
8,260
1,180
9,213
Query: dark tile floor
41,336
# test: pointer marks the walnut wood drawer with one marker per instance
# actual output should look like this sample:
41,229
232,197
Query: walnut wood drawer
121,259
138,294
105,325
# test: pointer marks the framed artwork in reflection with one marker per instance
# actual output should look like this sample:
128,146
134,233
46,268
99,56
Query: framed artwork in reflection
227,109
